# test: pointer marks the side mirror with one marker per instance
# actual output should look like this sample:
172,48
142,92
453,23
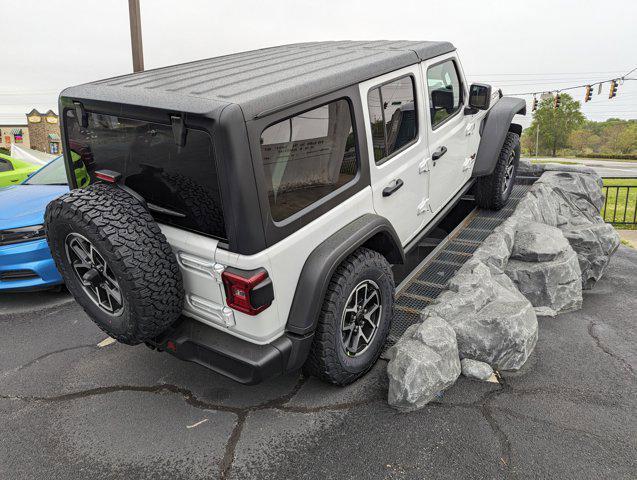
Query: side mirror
479,97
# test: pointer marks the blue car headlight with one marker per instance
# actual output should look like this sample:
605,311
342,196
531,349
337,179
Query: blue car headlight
22,234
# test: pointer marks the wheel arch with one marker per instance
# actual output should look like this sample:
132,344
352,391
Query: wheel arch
494,128
370,231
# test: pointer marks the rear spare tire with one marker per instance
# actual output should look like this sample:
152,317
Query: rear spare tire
115,261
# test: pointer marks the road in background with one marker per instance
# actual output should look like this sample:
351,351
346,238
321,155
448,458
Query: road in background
605,168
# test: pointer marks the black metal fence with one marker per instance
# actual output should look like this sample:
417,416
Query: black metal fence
620,207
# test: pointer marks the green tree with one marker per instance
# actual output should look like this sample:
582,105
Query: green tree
627,140
555,125
584,140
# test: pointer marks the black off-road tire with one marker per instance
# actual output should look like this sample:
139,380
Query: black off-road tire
124,234
489,190
327,359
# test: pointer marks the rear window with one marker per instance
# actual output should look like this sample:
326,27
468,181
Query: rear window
180,184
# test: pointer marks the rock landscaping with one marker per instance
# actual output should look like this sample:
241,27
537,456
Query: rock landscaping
545,269
423,362
535,263
474,369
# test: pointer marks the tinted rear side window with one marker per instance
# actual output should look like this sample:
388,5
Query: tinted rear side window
392,115
180,184
308,156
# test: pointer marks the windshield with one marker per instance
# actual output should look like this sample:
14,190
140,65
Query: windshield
53,173
179,183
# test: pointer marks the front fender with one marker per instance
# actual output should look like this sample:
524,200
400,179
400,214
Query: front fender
495,126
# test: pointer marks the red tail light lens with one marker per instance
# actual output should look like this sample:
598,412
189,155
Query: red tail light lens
249,292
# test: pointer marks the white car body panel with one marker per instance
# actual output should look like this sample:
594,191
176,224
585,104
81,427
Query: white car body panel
283,261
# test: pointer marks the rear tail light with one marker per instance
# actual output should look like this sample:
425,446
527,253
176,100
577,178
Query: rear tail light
249,292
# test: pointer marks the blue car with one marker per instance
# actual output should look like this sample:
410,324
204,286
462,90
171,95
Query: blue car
25,258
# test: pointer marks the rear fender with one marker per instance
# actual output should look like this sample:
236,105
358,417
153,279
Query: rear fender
371,231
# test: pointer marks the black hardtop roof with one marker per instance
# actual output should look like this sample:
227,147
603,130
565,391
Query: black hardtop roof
262,80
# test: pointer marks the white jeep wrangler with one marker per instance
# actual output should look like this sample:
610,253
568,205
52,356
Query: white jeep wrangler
244,211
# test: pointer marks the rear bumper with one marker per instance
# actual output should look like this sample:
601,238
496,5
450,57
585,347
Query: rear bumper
28,265
237,359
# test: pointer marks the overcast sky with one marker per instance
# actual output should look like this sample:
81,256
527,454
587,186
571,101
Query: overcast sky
519,45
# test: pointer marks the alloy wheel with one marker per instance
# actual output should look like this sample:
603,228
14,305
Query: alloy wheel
508,173
361,318
94,274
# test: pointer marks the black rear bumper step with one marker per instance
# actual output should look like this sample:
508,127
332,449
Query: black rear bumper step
240,360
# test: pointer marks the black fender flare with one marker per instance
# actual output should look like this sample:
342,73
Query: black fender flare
493,130
369,230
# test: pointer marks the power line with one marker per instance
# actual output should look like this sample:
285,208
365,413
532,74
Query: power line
622,77
548,73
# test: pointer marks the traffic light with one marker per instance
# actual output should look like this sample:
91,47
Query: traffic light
534,104
588,94
613,89
556,101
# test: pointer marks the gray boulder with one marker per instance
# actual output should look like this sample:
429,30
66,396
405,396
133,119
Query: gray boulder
594,244
422,363
553,286
493,321
475,369
571,199
537,242
545,269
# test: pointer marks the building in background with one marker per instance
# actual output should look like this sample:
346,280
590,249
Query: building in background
44,131
14,133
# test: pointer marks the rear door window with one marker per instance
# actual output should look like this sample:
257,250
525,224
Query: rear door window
307,157
179,183
393,120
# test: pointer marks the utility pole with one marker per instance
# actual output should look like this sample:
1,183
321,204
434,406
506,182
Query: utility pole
537,138
136,35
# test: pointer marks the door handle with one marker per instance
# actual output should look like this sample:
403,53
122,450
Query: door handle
387,191
439,153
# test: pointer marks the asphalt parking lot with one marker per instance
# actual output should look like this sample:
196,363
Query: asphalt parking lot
72,409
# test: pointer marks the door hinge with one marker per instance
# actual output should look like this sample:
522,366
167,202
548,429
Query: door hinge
424,206
215,270
424,166
468,162
470,128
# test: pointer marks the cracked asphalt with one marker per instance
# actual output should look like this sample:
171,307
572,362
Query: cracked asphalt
70,409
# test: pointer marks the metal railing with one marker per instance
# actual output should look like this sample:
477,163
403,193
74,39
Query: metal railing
620,206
